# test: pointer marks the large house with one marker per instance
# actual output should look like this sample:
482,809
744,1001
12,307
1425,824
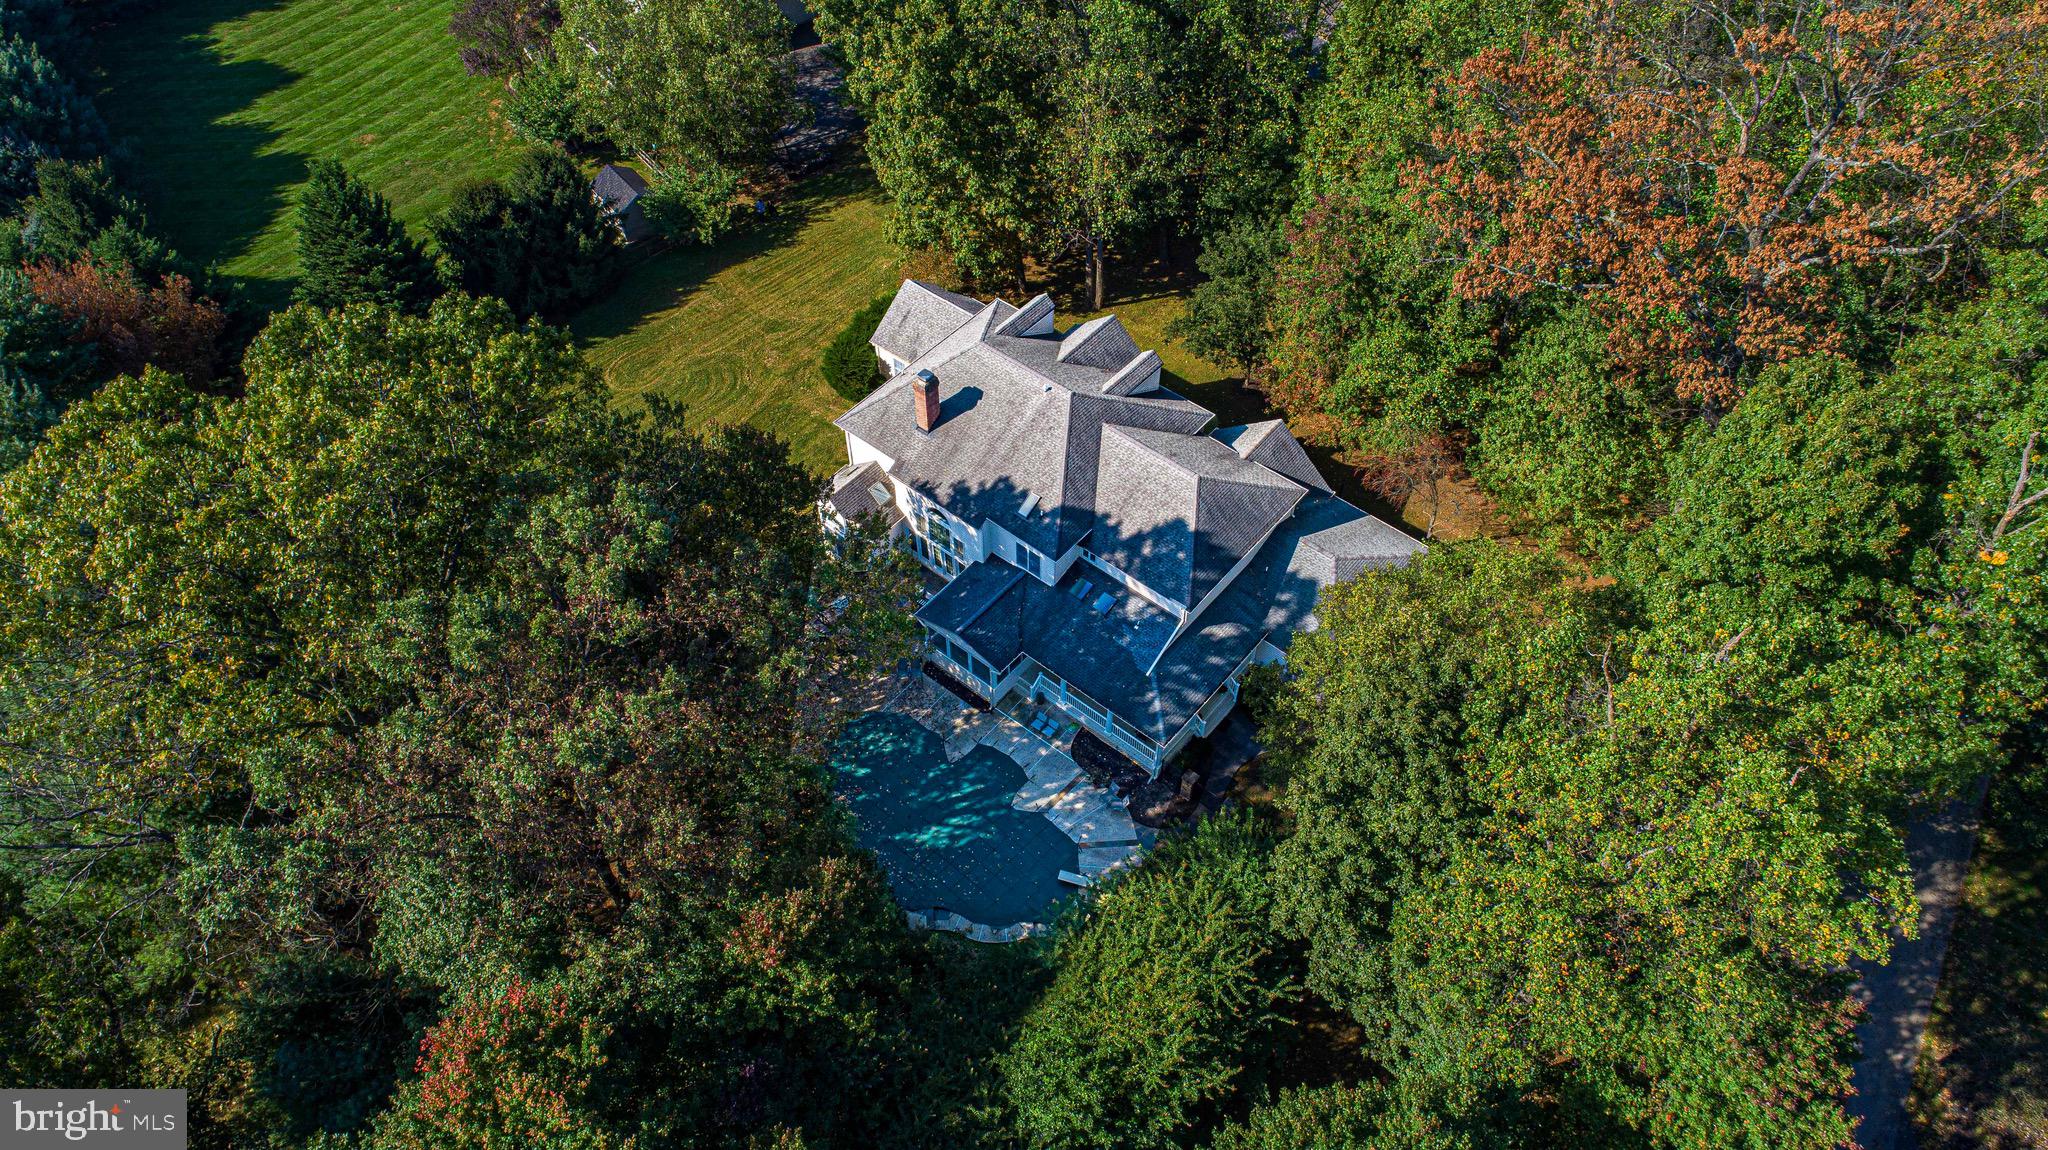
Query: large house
1103,551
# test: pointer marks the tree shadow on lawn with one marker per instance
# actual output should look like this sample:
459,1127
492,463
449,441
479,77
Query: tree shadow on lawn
662,280
212,184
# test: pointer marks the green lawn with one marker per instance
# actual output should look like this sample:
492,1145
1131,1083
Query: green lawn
221,103
734,332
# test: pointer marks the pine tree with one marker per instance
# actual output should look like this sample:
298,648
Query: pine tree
352,250
538,240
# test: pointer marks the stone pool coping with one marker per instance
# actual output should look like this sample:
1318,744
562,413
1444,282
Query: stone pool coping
979,932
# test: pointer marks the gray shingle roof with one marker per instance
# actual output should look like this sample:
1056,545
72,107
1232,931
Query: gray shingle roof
1272,444
617,187
1139,375
1100,342
1037,310
851,493
1341,553
1037,421
1115,656
1004,432
1179,511
919,317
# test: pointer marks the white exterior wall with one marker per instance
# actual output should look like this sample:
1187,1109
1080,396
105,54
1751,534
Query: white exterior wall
859,450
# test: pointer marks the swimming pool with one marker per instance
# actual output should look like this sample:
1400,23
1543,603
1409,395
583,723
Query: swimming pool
945,832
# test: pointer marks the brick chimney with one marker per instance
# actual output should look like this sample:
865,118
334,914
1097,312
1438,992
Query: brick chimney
924,398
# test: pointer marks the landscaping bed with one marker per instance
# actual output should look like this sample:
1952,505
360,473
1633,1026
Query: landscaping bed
953,686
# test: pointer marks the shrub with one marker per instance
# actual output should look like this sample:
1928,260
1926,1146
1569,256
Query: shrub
693,202
849,362
132,324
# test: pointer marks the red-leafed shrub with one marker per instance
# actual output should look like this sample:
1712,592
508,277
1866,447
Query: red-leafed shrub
169,326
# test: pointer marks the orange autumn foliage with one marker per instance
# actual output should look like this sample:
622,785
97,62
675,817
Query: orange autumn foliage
169,326
1700,173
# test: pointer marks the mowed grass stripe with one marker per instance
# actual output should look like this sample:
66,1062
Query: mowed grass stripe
223,102
735,333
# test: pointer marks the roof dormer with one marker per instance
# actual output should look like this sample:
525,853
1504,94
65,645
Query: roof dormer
1099,343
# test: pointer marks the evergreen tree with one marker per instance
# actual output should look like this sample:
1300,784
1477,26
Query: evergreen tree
42,115
538,241
41,367
351,248
849,362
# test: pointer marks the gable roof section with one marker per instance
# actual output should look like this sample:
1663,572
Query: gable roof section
1272,444
1342,552
1139,375
919,317
617,186
1038,309
1179,512
1101,342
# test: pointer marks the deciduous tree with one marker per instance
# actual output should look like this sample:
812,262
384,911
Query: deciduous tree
131,325
1701,174
684,82
503,37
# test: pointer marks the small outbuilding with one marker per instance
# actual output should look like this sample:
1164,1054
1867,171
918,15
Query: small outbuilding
618,189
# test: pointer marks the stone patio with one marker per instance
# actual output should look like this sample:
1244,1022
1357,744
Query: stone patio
1053,786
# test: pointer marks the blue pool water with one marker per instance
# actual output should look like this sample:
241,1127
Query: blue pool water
945,832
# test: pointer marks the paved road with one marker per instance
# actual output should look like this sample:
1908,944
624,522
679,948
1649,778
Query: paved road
1900,992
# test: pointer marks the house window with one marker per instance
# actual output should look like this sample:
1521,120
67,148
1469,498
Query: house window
963,656
1034,561
936,545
